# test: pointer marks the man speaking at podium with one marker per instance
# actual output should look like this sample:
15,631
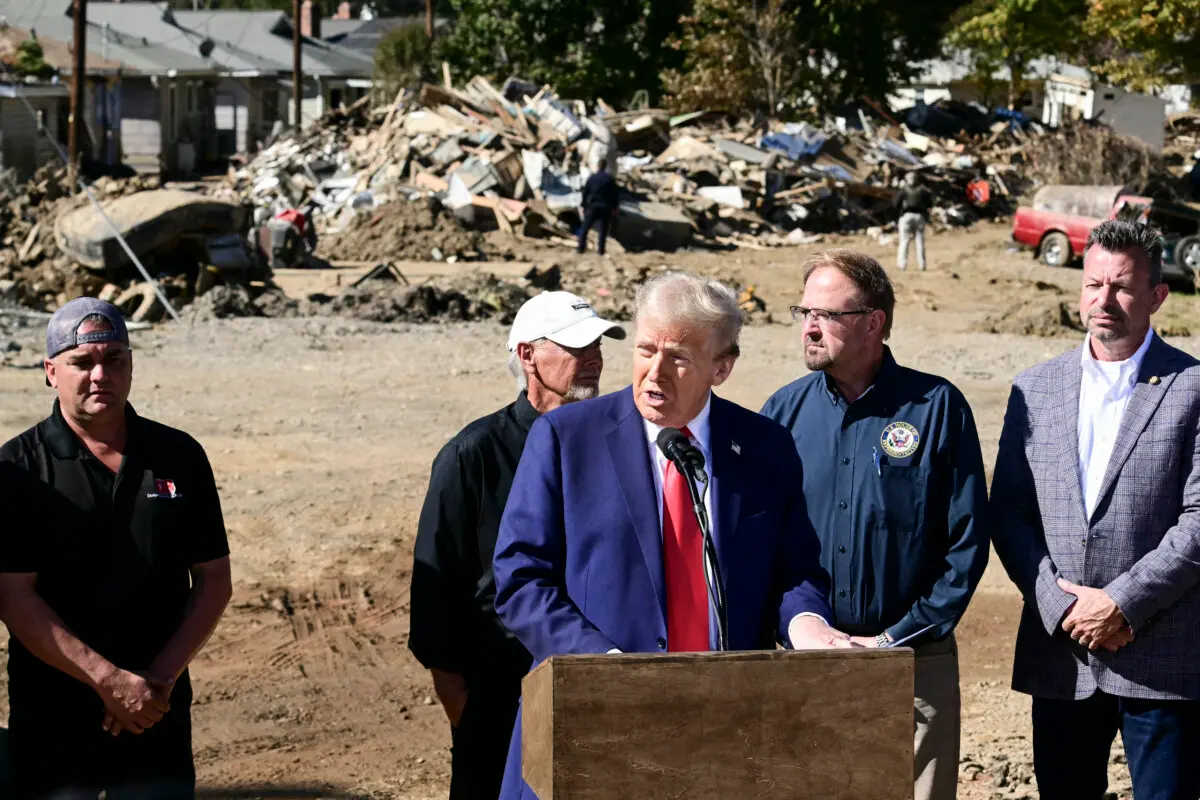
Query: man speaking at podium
600,548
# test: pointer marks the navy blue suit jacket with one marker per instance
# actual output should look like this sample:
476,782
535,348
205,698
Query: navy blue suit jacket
579,565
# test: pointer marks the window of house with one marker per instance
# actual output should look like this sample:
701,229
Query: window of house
335,98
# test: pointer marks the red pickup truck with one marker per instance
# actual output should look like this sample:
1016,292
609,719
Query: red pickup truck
1058,222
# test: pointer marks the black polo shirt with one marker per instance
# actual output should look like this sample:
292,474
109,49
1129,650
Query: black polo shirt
454,622
112,552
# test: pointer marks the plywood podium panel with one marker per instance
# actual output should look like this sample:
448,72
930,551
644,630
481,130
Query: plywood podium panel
800,725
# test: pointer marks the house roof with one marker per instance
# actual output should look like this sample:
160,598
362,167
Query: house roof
55,53
149,38
368,33
110,51
333,28
267,35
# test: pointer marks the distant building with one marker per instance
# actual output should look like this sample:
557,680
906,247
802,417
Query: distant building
169,91
27,139
1052,92
1140,116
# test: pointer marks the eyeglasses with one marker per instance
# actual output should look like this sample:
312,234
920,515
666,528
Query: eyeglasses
821,315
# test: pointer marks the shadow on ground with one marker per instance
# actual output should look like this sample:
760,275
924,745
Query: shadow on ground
274,791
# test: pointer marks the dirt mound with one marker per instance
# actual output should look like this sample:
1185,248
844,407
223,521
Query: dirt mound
1081,154
418,230
469,297
1046,317
231,300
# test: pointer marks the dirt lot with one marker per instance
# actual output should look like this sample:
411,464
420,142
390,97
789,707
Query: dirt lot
321,433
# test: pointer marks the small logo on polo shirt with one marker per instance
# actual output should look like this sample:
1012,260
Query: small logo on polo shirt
900,440
164,489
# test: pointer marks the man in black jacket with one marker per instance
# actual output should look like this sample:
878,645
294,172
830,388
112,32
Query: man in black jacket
601,198
476,664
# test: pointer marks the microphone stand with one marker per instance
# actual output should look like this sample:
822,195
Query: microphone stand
693,473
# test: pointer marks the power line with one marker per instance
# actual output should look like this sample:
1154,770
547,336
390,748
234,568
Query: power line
12,78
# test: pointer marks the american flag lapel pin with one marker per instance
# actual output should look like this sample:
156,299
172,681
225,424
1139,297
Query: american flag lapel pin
736,448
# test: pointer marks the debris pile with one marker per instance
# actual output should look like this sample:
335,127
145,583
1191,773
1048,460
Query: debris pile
515,159
464,298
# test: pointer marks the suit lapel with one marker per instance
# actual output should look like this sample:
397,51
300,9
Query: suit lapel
630,453
1067,418
727,468
1142,405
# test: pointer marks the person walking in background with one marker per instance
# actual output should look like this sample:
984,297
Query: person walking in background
895,488
1096,506
477,665
601,199
912,204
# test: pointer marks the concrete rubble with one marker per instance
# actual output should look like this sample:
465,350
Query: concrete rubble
502,159
446,173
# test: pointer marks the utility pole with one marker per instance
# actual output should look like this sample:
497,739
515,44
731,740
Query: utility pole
429,19
77,88
297,78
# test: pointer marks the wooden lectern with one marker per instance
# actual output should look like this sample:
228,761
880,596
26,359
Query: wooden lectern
770,725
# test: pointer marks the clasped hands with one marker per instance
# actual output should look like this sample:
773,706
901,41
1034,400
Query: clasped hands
1094,620
134,701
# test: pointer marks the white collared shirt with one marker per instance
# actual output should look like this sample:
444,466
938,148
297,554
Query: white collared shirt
701,432
1104,393
702,439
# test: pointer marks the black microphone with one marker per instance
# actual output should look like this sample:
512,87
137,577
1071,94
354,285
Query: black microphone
678,450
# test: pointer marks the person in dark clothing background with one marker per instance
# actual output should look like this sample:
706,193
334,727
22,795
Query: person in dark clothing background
601,199
477,664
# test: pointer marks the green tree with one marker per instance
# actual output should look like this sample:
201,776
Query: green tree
1144,44
718,66
1012,33
404,58
582,48
30,60
771,54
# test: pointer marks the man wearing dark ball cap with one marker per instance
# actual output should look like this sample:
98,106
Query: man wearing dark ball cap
113,574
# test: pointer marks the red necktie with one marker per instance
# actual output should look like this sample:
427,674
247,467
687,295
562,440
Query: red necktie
683,562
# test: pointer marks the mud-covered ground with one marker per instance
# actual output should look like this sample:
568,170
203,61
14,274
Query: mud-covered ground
321,432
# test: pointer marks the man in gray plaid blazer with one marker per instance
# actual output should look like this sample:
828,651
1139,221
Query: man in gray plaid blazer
1096,511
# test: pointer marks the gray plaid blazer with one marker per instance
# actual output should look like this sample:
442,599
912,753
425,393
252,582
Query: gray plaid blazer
1142,544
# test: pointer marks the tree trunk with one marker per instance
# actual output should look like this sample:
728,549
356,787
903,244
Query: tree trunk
1016,81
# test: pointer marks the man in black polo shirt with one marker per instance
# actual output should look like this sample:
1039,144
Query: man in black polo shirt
112,583
477,664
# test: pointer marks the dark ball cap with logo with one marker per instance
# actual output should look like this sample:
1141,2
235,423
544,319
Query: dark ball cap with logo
62,332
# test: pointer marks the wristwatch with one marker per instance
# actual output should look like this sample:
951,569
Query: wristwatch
882,640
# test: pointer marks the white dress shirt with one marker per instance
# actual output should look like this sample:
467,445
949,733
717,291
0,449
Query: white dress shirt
701,438
1104,393
701,432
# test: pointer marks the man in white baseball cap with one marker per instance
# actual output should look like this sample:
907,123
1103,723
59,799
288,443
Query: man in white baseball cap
477,665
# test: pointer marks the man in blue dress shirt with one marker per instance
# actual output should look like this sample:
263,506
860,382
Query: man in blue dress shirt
895,488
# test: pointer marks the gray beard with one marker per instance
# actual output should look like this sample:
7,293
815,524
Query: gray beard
579,392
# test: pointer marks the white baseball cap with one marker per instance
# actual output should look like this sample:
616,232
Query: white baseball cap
563,318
